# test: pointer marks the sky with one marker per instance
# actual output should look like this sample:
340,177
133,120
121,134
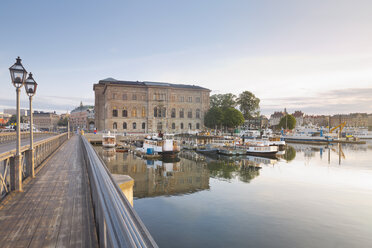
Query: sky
314,56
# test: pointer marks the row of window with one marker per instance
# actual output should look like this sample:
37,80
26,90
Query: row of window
124,112
125,125
156,96
134,125
125,96
158,112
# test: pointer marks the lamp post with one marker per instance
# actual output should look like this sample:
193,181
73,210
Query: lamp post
18,74
31,87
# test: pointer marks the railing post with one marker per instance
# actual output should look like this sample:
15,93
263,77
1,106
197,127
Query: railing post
30,163
16,173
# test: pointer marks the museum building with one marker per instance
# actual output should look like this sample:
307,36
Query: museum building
149,107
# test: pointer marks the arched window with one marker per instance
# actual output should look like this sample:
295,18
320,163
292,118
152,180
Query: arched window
115,126
124,125
181,113
134,112
173,113
155,112
173,125
181,125
190,126
134,125
164,112
143,125
125,113
197,125
197,114
143,112
189,113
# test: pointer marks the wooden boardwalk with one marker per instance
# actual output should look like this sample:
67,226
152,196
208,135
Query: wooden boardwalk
55,209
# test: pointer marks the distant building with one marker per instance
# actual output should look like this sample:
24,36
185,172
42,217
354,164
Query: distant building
275,118
316,120
352,120
132,106
299,116
23,112
256,123
45,121
82,117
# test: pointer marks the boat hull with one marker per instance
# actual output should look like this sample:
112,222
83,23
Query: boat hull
263,154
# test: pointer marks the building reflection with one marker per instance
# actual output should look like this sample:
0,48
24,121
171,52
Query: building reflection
156,177
188,173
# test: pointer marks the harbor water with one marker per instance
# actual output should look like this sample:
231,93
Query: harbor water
312,196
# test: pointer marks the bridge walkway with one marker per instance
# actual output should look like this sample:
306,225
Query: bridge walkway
55,209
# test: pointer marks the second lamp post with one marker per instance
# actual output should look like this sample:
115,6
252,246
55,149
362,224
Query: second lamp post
31,86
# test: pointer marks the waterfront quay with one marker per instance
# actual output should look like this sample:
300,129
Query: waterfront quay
72,201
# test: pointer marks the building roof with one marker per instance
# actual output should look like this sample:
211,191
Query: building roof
147,83
277,115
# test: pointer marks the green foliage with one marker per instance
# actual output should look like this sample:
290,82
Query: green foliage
213,117
13,119
290,153
287,122
232,117
228,117
63,122
223,100
249,104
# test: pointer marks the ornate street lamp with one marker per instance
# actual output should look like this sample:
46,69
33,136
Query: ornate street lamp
31,87
18,74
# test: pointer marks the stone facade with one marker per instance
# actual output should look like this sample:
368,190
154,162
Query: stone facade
82,117
45,121
299,116
275,118
148,107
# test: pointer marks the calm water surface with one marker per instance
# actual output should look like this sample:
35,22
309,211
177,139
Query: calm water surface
314,196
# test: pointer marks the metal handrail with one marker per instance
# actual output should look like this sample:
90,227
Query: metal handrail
42,150
10,136
24,148
117,222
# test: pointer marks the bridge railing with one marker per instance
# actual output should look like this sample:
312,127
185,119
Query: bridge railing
42,150
117,223
11,136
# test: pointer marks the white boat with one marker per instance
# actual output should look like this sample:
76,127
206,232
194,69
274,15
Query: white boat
160,145
363,134
261,148
108,140
307,134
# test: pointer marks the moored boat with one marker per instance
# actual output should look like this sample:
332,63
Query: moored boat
262,149
160,145
108,140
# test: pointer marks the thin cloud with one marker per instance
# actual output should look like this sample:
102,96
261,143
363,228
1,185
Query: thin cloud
328,102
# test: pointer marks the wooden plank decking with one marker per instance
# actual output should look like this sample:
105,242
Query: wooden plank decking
55,209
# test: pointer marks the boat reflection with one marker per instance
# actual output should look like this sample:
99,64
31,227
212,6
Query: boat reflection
188,173
159,177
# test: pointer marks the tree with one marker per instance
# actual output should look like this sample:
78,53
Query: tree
13,119
287,122
63,122
223,100
213,118
290,153
249,104
232,117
